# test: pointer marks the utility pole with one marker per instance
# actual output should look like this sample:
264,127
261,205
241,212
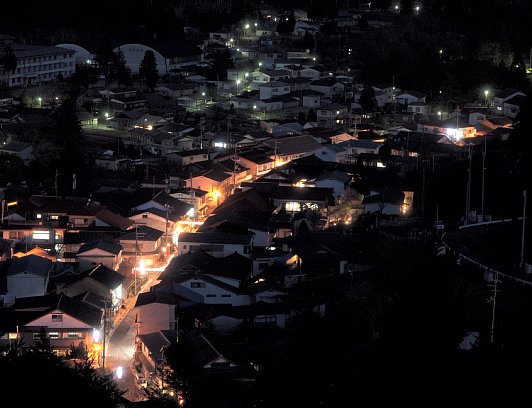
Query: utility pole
166,206
495,281
56,174
275,153
483,177
136,255
234,170
522,263
201,132
468,190
105,311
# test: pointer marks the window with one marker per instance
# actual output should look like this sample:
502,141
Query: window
54,217
74,335
265,320
53,335
42,235
57,317
211,295
226,296
197,284
144,215
293,206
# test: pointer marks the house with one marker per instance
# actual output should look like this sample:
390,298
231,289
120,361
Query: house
209,360
337,180
309,98
195,197
163,202
124,120
420,108
317,253
385,202
20,149
328,153
332,114
272,89
286,149
291,199
156,311
216,182
150,357
502,96
100,280
270,75
340,137
384,94
512,106
353,148
27,276
317,72
454,128
112,163
328,87
120,100
243,211
175,91
102,252
143,245
406,98
186,157
68,322
163,220
216,242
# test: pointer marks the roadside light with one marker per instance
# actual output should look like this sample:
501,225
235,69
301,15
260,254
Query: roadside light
119,372
96,335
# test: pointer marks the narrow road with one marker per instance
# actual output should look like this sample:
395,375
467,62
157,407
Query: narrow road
121,347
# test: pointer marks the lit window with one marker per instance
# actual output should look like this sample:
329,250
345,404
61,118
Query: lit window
41,235
53,335
57,318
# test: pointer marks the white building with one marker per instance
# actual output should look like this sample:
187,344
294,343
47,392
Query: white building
36,64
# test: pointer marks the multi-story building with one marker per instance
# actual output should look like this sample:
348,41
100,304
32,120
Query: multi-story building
35,64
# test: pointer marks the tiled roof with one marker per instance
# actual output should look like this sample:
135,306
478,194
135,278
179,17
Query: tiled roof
80,310
215,237
156,296
31,264
102,244
106,276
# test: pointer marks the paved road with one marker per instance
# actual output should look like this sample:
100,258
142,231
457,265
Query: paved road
120,347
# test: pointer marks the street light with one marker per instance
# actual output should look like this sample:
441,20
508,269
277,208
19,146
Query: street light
204,99
486,92
439,115
40,102
237,83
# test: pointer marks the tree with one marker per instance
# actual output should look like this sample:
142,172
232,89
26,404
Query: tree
148,69
119,70
367,99
9,61
286,25
311,115
85,76
221,61
104,59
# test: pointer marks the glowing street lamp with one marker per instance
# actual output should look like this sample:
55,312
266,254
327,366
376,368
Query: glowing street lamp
237,83
39,99
204,99
486,92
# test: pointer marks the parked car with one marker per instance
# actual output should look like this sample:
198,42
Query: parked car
141,380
